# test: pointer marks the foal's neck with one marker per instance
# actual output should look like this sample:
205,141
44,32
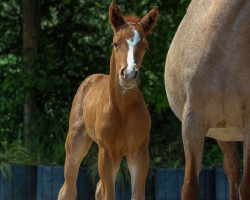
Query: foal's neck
119,97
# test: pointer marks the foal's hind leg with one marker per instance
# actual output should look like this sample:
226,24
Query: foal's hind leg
77,146
108,165
231,166
98,192
138,163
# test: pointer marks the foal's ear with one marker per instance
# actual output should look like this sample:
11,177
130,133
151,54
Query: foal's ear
149,20
115,17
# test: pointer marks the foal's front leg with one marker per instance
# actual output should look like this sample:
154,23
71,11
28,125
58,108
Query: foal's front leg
138,163
108,164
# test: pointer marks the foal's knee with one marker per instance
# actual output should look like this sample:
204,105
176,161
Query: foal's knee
190,190
67,193
244,189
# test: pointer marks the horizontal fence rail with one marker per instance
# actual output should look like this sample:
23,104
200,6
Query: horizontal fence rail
44,183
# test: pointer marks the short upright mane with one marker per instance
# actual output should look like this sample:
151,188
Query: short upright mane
131,18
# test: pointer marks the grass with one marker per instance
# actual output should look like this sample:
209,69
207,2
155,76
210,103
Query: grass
11,154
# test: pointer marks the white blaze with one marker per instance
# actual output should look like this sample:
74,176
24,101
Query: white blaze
130,59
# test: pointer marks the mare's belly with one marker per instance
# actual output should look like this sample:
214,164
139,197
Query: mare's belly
225,134
224,110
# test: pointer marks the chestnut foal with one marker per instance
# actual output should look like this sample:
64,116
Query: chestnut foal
110,110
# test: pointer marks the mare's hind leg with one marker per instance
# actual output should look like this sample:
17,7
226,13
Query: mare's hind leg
77,146
231,165
193,134
245,183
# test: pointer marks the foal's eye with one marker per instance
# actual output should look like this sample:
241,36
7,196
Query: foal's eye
115,44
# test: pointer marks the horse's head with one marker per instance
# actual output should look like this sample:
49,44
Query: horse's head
129,43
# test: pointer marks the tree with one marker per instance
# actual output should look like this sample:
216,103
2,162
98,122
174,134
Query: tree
31,29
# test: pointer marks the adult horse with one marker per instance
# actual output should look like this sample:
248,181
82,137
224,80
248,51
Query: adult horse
110,110
207,79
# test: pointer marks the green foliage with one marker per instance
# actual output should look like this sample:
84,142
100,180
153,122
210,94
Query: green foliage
11,98
213,156
11,154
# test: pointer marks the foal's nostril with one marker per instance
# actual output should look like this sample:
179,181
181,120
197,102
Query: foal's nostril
136,75
123,72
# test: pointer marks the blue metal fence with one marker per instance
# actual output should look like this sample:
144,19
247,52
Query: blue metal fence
168,184
44,183
22,186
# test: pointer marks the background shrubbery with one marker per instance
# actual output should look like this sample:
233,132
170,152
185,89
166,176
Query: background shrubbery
74,42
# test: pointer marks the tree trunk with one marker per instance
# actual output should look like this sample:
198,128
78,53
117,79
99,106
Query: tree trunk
31,29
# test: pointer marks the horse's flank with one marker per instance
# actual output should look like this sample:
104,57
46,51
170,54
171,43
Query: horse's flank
207,79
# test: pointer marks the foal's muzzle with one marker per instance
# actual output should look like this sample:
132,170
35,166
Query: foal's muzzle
128,77
129,74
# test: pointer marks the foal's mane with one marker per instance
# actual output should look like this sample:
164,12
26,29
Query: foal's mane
131,18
